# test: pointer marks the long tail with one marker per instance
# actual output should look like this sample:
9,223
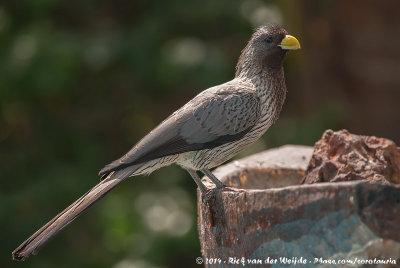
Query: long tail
34,243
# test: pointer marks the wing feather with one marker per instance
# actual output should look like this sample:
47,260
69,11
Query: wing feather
214,117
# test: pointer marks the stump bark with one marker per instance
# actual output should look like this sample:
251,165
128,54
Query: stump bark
275,221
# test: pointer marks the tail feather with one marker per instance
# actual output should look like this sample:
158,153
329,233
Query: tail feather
34,243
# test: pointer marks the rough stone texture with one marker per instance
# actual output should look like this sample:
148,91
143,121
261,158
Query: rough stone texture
341,156
269,218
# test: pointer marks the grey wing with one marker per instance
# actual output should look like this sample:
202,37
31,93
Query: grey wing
209,120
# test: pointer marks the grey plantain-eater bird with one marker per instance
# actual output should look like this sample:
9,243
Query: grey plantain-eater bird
210,129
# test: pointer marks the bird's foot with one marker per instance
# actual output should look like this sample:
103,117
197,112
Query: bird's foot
232,189
207,194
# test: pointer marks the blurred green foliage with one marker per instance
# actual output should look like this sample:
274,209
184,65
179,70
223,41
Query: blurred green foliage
80,83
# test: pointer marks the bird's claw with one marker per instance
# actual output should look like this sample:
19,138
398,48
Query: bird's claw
233,189
206,196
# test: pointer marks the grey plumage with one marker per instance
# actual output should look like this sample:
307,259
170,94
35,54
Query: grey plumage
35,242
215,117
209,130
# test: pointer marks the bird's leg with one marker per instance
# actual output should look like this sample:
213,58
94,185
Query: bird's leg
217,182
203,189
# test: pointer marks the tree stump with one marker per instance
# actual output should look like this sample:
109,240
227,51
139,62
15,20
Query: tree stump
275,221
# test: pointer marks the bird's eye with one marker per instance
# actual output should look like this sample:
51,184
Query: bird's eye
268,40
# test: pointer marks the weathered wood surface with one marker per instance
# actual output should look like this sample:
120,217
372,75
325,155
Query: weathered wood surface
276,217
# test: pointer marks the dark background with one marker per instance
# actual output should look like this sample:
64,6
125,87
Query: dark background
82,81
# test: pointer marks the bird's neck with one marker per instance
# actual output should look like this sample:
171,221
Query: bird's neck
262,77
267,78
250,67
269,83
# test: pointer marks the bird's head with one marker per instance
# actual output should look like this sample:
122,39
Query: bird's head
266,49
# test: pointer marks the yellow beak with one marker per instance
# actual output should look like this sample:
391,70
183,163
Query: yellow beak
290,43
